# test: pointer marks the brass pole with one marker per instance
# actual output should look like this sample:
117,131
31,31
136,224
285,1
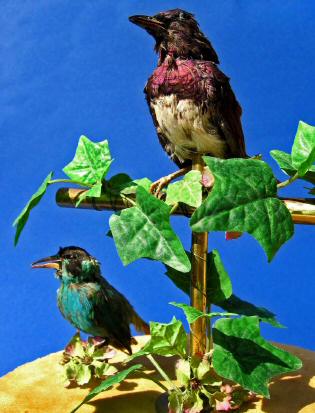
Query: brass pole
302,209
68,197
198,282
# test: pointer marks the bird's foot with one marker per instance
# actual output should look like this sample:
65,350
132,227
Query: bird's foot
98,341
157,186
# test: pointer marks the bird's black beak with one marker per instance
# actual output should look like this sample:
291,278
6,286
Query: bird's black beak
49,262
151,24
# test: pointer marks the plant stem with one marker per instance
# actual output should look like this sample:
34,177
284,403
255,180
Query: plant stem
174,207
209,332
288,181
69,181
161,371
131,201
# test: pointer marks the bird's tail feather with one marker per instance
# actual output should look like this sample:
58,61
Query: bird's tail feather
140,324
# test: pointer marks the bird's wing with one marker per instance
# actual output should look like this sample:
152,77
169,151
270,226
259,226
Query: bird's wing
112,311
217,94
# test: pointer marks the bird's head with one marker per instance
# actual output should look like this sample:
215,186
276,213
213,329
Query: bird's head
177,32
72,264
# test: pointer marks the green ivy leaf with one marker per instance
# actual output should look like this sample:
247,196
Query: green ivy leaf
244,199
284,160
144,231
84,374
175,401
75,347
303,150
94,192
183,372
236,305
21,220
166,340
103,369
90,163
197,402
219,286
192,314
118,182
241,354
109,382
145,183
123,184
219,289
204,372
187,191
69,372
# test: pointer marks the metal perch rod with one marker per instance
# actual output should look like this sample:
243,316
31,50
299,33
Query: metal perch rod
198,281
302,209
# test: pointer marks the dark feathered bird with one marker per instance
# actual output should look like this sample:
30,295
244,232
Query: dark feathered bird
88,301
191,101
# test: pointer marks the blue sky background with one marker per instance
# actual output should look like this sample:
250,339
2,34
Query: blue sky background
79,67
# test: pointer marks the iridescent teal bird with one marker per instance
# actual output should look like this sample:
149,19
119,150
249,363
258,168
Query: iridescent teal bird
88,301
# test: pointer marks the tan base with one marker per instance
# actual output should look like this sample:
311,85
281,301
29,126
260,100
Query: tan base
37,388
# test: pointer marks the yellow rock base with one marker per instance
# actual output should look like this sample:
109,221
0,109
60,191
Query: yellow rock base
37,388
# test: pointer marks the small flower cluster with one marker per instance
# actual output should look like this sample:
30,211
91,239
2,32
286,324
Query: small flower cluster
84,360
202,390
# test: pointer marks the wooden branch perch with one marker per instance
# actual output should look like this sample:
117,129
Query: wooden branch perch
302,209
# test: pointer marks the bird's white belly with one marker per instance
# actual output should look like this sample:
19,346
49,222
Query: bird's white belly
187,128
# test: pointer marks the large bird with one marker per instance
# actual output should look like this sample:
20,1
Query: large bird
88,301
193,107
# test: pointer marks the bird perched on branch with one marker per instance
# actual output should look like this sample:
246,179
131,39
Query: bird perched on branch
88,301
193,107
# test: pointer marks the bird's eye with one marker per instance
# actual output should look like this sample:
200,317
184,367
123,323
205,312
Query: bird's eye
181,16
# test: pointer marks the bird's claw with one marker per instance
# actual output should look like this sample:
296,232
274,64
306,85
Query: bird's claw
157,186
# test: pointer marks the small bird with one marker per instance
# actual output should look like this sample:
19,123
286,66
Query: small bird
88,301
191,101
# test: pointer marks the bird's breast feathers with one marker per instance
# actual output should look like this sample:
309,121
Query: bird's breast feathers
196,79
183,101
187,126
77,305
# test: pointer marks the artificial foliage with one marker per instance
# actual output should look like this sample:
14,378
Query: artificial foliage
91,161
144,231
284,160
219,290
243,198
303,150
241,354
83,360
21,220
108,383
187,191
